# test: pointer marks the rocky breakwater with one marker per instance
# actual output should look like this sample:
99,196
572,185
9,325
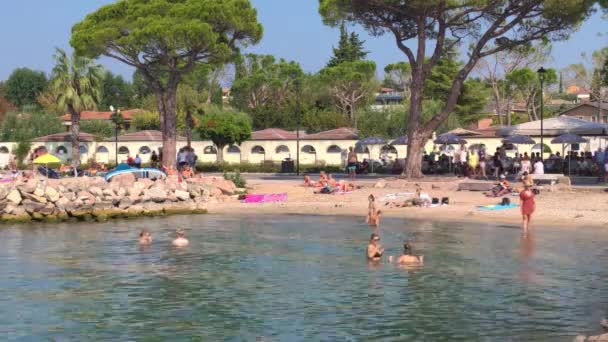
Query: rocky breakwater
88,199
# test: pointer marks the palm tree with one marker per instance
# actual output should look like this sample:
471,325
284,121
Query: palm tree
77,83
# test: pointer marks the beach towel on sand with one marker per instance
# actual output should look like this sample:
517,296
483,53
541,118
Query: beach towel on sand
497,207
263,198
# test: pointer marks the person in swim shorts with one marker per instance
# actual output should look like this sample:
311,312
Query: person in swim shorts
352,163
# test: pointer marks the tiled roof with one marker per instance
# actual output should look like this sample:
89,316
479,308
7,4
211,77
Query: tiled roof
65,137
343,133
274,134
149,135
126,114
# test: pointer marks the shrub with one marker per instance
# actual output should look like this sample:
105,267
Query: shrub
236,178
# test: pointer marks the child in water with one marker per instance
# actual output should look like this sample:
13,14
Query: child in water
373,214
145,238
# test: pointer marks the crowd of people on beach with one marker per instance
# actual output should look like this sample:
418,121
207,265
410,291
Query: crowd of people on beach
476,163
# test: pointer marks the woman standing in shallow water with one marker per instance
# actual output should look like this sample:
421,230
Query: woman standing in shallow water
528,205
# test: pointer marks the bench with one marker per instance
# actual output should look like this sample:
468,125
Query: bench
551,179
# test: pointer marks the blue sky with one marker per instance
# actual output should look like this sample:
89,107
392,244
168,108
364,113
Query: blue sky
292,30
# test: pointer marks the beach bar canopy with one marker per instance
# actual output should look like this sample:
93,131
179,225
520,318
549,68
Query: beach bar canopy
557,126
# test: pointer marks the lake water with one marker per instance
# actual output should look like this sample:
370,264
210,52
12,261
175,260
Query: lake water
298,278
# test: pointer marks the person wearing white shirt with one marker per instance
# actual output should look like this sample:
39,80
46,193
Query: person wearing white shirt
539,168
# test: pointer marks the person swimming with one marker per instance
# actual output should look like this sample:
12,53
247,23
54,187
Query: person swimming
180,240
408,258
145,238
374,249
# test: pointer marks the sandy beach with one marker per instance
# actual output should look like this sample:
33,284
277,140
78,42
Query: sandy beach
576,207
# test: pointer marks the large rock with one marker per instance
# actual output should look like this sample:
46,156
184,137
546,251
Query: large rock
103,205
3,204
86,197
108,192
4,191
135,199
96,191
125,180
32,206
48,210
62,203
182,195
39,192
156,194
125,203
27,187
33,198
225,186
14,197
121,192
51,194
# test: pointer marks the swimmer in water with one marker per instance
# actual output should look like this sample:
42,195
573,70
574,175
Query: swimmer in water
408,258
374,219
374,249
180,241
145,238
372,212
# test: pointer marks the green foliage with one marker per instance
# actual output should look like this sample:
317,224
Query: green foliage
398,76
146,121
22,127
236,178
350,48
116,92
101,129
24,85
317,120
22,150
175,35
351,85
387,124
224,128
76,82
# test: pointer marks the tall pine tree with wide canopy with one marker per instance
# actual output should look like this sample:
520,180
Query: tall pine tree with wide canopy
166,40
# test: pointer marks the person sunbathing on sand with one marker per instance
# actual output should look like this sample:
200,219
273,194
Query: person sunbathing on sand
180,241
308,182
331,180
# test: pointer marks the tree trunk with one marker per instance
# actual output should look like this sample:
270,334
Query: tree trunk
416,140
189,124
75,130
220,154
509,111
168,122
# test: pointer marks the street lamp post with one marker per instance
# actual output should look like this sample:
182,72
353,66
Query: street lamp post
541,77
298,114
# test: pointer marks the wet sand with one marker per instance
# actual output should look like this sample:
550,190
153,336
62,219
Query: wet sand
570,208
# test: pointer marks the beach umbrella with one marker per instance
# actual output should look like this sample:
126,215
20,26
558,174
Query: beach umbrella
518,140
46,159
372,141
568,138
449,139
400,141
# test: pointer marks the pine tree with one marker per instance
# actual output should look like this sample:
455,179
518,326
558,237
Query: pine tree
350,49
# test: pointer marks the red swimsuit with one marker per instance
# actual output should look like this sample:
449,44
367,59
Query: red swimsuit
527,202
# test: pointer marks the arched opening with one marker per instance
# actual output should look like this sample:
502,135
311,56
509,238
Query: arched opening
388,152
282,149
102,149
4,150
83,149
145,150
210,150
233,149
123,150
361,149
308,149
334,149
61,150
258,150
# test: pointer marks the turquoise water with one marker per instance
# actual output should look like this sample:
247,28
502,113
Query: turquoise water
298,278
